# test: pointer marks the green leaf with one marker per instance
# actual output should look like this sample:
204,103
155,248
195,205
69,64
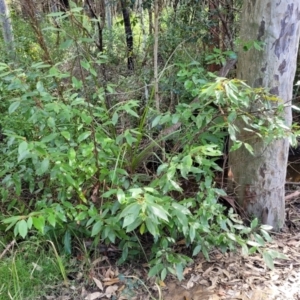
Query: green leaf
266,235
97,228
120,196
179,271
268,260
192,233
249,148
85,64
51,122
163,274
159,211
152,228
44,166
137,222
72,154
40,87
66,135
39,223
232,117
133,208
29,223
13,107
266,227
254,223
129,219
259,239
253,244
231,131
49,137
22,228
156,121
51,219
231,236
236,146
155,270
83,136
12,220
67,242
115,118
66,44
245,251
22,150
196,250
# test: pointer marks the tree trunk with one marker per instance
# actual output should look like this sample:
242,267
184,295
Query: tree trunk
260,179
7,28
129,36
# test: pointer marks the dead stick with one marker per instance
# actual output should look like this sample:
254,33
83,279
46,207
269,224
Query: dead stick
7,248
293,195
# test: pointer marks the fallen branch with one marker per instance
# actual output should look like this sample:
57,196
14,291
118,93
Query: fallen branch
292,196
7,248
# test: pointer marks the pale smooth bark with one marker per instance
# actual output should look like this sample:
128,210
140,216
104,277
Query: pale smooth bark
259,180
7,28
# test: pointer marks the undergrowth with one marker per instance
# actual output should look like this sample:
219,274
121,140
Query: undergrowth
82,157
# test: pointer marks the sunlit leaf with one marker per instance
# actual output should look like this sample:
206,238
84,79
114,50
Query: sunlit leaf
22,228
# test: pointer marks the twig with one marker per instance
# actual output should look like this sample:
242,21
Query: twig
292,196
7,248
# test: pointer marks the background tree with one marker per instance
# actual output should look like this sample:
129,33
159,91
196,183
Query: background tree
259,179
7,27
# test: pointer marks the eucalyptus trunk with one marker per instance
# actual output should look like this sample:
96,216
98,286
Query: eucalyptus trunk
7,28
259,180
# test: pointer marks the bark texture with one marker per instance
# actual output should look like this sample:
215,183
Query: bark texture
259,180
7,28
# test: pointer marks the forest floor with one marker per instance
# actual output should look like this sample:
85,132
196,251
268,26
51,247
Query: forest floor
226,276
